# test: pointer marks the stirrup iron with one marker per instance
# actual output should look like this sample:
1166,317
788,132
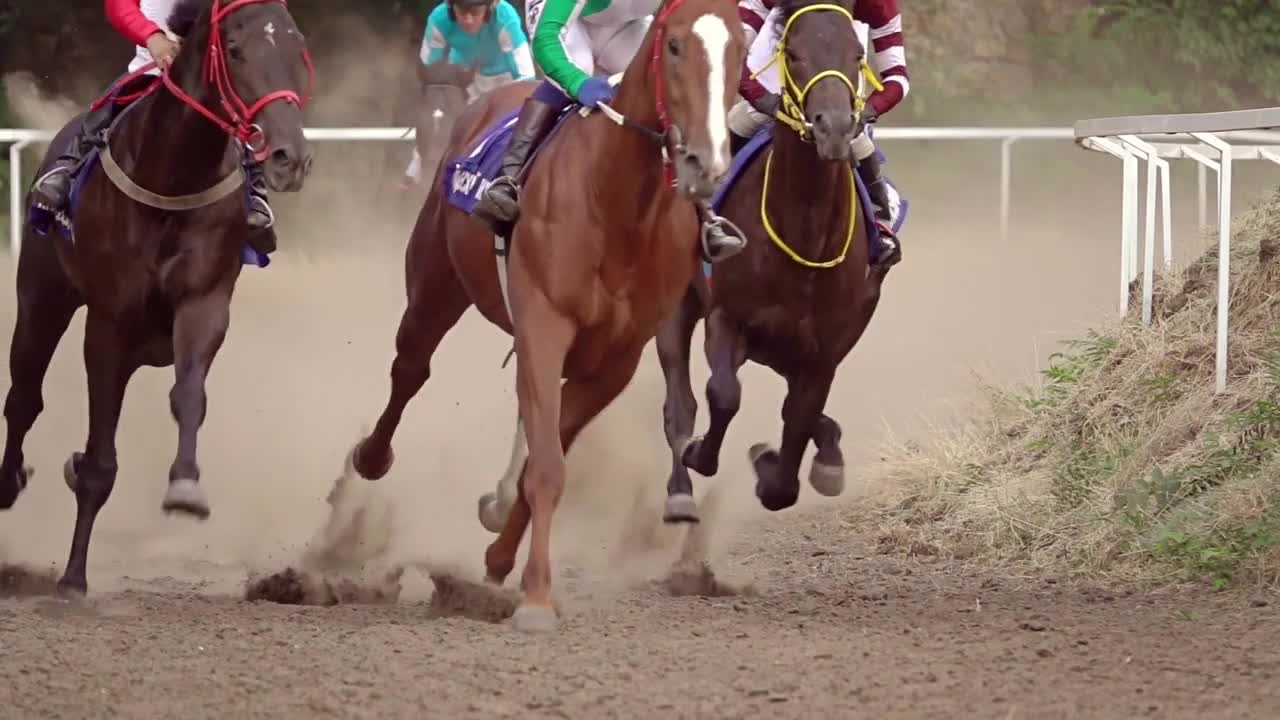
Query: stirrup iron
737,240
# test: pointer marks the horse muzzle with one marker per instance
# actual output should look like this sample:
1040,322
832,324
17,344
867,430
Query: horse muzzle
698,172
833,132
287,167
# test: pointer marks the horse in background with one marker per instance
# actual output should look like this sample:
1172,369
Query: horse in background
153,243
595,264
800,296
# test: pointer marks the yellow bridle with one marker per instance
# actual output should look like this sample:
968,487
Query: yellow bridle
791,113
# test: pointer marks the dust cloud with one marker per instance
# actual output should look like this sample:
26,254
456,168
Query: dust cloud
305,367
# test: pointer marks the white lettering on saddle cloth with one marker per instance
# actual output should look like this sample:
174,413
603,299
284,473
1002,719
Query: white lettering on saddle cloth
468,182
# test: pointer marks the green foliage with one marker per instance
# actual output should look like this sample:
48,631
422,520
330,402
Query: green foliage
1191,54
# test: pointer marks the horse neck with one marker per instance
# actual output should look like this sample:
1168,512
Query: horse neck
627,168
807,197
176,149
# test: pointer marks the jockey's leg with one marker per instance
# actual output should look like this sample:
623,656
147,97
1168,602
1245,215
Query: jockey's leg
53,188
868,165
259,215
500,202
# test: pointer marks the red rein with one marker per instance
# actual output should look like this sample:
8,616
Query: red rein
664,120
240,116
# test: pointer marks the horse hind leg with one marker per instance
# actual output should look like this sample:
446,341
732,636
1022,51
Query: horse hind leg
726,352
199,327
91,475
436,303
777,471
680,407
46,304
495,506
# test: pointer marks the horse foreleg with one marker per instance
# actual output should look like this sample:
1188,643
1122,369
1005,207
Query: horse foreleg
777,471
199,327
581,401
826,474
680,408
726,352
435,305
92,474
46,304
495,506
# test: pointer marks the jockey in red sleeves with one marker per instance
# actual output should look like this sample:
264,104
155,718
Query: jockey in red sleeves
760,95
140,22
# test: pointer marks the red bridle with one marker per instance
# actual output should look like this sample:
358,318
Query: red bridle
239,123
665,126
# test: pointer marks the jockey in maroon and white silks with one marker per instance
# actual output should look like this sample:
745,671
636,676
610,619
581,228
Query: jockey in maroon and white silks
881,27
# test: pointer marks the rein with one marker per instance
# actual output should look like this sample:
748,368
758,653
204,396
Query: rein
239,124
668,136
791,113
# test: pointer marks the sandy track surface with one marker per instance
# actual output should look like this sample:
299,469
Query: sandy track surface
833,626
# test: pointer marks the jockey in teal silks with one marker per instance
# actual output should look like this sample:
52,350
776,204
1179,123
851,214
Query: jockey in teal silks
572,39
486,35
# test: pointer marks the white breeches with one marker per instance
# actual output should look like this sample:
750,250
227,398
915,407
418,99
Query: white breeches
605,48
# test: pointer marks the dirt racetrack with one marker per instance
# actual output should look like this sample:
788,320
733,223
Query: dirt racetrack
836,619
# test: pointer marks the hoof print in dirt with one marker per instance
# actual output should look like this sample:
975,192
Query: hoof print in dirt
17,581
294,587
456,597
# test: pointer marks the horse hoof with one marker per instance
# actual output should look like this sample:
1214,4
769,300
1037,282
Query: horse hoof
764,461
69,472
358,464
827,480
535,619
9,495
690,454
492,517
186,496
72,589
680,508
760,450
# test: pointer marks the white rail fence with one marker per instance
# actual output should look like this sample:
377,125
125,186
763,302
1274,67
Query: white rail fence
1155,139
1006,136
1210,137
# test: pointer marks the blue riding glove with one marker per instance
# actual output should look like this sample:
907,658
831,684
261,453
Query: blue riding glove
595,90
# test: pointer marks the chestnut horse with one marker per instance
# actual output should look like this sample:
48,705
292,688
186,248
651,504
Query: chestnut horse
158,235
800,296
601,255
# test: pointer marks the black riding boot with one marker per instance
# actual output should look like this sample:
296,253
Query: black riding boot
53,188
891,248
500,202
259,216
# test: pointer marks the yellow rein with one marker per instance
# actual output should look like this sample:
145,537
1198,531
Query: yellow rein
792,114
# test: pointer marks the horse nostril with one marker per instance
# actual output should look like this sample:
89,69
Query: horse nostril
282,156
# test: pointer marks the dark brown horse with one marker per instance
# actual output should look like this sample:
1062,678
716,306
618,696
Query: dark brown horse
801,294
158,281
601,255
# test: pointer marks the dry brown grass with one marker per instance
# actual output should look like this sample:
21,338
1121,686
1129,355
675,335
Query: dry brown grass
1123,464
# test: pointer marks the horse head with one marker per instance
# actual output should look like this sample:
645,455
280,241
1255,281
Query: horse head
696,51
443,94
247,56
821,65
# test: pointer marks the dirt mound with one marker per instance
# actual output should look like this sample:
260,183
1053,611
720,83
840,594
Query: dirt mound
22,581
1124,462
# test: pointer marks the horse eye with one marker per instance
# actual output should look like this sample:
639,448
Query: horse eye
673,45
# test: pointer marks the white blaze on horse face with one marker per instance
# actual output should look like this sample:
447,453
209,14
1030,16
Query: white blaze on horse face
714,34
270,30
